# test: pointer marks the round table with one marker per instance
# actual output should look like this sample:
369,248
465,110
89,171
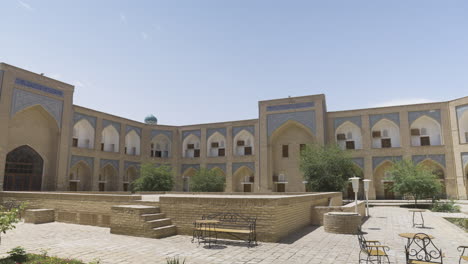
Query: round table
420,211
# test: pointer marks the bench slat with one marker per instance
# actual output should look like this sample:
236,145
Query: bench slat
226,230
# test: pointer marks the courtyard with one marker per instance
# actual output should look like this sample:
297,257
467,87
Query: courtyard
311,245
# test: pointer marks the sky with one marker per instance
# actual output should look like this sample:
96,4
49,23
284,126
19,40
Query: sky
192,62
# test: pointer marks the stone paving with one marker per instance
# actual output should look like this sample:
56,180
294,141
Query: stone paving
312,245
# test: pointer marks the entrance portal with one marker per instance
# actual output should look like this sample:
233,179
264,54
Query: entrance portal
23,170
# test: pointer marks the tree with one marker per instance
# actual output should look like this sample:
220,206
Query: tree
206,180
9,216
415,180
326,168
153,178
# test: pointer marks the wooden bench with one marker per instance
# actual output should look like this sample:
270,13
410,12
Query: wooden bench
236,225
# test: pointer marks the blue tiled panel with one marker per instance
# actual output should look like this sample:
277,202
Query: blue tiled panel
1,80
395,117
88,160
289,106
219,165
464,156
39,87
353,119
156,132
114,163
128,164
106,123
236,130
435,114
78,116
359,162
23,99
439,158
185,167
211,131
188,132
307,118
460,110
129,128
376,161
237,165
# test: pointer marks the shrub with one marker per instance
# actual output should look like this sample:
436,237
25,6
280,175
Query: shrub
153,178
447,207
206,180
18,254
174,260
9,217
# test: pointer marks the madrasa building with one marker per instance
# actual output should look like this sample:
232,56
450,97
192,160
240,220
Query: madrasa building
49,144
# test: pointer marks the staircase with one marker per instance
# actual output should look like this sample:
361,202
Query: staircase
142,221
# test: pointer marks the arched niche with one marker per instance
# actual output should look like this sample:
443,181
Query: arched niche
348,136
131,174
160,146
385,134
216,145
108,178
285,147
463,127
243,143
382,181
23,170
191,146
80,178
186,176
438,170
110,139
35,127
83,134
132,143
425,131
243,180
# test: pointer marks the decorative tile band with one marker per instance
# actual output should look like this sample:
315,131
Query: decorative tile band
353,119
39,87
461,109
211,131
78,116
188,132
114,163
156,132
376,161
88,160
222,166
394,117
236,130
359,162
306,118
290,106
464,156
435,114
185,167
439,158
238,165
106,123
128,164
134,128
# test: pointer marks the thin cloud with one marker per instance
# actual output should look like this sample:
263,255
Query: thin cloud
144,35
401,101
78,84
157,27
24,5
123,18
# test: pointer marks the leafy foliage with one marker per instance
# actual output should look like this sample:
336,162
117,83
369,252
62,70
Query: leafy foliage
327,168
153,178
447,207
206,180
18,254
9,217
175,260
415,180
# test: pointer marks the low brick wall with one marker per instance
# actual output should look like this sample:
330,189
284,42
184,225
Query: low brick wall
39,216
322,210
341,222
277,217
76,208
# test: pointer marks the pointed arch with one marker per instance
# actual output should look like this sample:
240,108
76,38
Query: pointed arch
349,136
161,146
80,177
83,134
243,143
186,175
191,146
436,169
132,143
23,170
108,178
382,181
216,145
243,175
110,139
385,133
426,130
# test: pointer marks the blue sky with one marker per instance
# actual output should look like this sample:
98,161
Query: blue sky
190,62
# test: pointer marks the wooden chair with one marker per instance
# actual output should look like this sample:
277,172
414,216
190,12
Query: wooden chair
372,250
462,256
421,250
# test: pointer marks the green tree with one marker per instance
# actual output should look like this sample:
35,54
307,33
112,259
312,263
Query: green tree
415,180
327,168
206,180
9,217
153,178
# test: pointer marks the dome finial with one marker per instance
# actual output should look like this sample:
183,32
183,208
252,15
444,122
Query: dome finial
151,120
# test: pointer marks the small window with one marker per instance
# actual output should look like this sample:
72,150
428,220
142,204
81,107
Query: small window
341,137
152,153
125,150
102,146
75,142
157,154
349,144
415,132
152,145
240,142
101,186
386,143
196,153
425,141
248,151
214,144
466,137
190,146
302,147
375,134
285,151
221,152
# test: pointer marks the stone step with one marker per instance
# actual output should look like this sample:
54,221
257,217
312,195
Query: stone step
164,231
151,210
149,217
159,222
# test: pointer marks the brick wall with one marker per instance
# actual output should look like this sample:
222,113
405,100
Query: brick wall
350,207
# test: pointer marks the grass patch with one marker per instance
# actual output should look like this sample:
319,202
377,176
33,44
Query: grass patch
41,259
460,222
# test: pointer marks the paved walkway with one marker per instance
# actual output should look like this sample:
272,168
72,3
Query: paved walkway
312,245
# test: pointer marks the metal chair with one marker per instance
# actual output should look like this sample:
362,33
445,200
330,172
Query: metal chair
462,256
421,250
372,250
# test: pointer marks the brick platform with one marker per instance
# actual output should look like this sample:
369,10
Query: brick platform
39,216
341,222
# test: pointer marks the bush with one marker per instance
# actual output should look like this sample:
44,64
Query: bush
206,180
447,207
18,254
174,260
153,179
9,217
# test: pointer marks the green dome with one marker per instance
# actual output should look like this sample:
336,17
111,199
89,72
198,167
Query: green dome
151,120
